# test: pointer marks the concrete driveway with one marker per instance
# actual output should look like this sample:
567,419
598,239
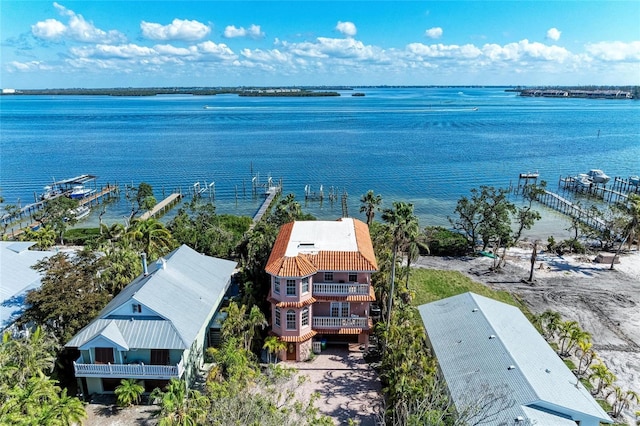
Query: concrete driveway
349,388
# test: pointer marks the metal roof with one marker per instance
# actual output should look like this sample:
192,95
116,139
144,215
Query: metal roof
184,289
482,344
17,277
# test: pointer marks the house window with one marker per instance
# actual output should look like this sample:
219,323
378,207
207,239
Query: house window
353,277
305,317
104,355
276,285
276,313
291,287
291,319
305,285
137,308
159,356
339,309
328,277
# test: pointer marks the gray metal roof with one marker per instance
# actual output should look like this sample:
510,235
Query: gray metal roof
184,293
17,277
128,334
481,343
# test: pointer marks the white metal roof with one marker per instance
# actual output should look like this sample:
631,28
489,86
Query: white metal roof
183,294
480,342
312,236
17,277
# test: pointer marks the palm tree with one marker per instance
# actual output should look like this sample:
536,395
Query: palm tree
254,320
549,322
632,225
570,334
129,392
273,345
152,237
603,377
370,204
68,410
235,322
179,406
121,266
586,355
622,399
403,223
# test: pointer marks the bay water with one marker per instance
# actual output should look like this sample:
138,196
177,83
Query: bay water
427,146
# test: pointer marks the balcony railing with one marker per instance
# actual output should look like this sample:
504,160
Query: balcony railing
340,322
340,288
133,371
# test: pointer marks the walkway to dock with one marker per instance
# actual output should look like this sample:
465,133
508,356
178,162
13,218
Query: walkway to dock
565,206
163,206
271,193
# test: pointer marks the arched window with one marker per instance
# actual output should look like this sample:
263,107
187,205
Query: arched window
291,319
276,314
305,317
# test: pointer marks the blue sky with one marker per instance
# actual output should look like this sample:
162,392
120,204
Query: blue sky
117,43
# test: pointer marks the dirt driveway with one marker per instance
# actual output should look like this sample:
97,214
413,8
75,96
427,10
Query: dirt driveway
349,388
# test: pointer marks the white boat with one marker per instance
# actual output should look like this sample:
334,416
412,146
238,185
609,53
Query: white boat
584,180
79,212
79,191
598,176
634,180
50,192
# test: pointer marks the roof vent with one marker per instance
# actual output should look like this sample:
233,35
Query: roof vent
493,336
547,370
162,264
519,419
511,367
474,310
143,257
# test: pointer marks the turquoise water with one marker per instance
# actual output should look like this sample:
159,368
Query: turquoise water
422,145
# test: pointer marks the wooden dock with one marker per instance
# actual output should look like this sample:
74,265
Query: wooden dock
270,193
163,206
565,206
617,193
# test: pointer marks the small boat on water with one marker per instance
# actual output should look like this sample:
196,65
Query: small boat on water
598,176
50,192
634,180
583,180
80,191
80,212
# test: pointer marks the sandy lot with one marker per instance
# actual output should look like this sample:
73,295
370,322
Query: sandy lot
605,303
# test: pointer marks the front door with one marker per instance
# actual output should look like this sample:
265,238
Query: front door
291,352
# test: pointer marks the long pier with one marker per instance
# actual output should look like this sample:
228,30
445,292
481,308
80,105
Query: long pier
271,193
565,206
163,206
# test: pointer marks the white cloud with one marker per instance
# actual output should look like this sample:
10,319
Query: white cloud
167,49
435,32
49,29
615,51
220,51
554,34
525,49
77,29
178,29
253,31
123,51
467,51
347,28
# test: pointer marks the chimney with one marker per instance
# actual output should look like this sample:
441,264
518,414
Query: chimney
143,257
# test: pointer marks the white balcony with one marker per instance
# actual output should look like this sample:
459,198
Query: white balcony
343,289
340,322
129,371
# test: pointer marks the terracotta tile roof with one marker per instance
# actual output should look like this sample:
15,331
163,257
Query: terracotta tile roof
296,339
303,265
279,304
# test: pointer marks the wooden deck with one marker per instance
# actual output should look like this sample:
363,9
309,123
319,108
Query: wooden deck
163,206
271,193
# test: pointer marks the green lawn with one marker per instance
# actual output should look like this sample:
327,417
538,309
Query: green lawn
430,285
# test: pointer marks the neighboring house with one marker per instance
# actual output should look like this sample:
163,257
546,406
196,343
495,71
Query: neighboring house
321,284
17,278
492,358
157,327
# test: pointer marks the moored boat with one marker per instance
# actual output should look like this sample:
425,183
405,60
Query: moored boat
634,180
80,191
598,176
80,212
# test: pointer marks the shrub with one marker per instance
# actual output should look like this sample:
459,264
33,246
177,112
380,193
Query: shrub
445,242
